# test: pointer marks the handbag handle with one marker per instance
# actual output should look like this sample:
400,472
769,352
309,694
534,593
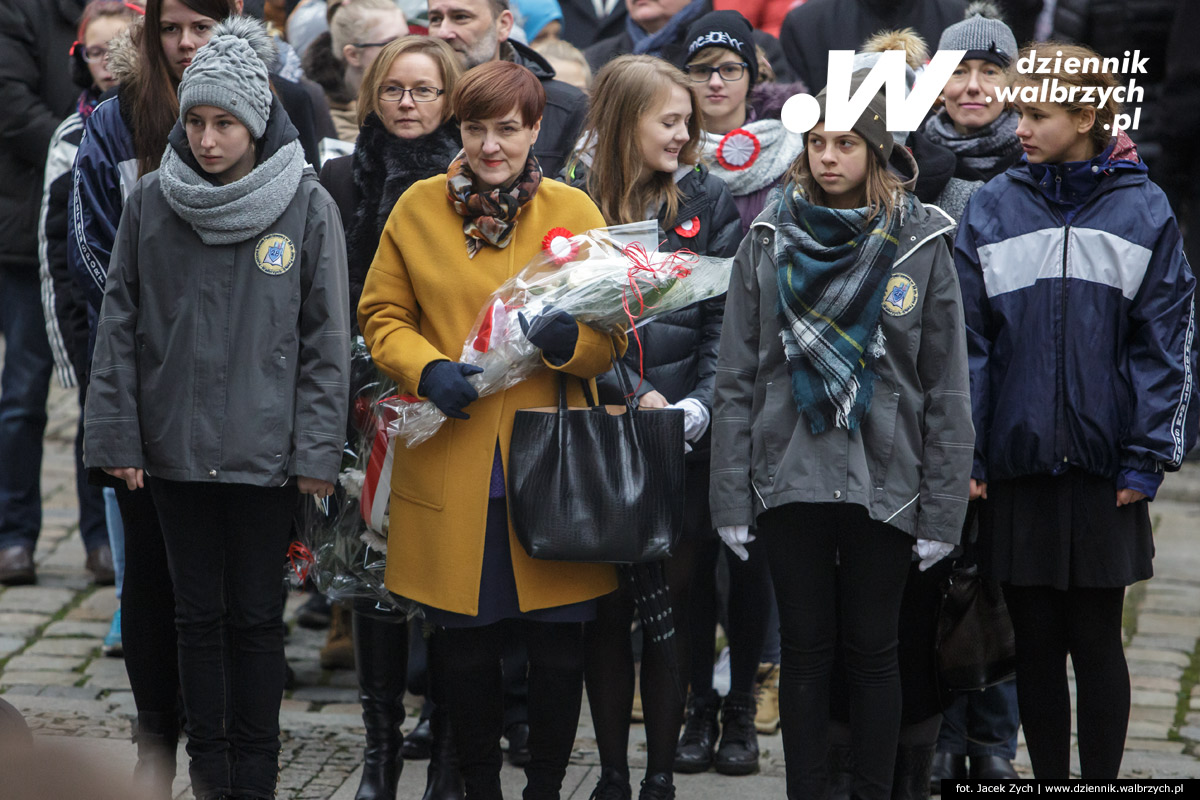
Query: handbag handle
626,387
588,397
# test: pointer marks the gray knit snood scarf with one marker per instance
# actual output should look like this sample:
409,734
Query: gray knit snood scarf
239,210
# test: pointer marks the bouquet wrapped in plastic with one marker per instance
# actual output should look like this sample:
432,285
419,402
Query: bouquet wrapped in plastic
607,278
343,539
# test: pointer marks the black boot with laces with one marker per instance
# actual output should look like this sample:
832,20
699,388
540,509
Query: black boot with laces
657,787
694,752
613,785
738,752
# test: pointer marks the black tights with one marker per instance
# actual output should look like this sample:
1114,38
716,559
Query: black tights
836,571
1086,623
609,672
466,663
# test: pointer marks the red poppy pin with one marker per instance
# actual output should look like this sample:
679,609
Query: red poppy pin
738,150
558,245
688,228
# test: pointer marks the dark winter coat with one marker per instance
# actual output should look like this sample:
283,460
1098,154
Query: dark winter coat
566,108
621,44
580,26
210,367
1081,334
36,94
366,184
812,30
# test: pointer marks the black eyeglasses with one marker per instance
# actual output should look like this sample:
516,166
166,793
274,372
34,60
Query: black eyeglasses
420,94
702,73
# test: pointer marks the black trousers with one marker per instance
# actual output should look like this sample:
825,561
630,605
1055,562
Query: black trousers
1086,623
838,575
226,545
466,665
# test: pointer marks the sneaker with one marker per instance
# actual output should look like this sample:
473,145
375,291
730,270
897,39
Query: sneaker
112,640
766,718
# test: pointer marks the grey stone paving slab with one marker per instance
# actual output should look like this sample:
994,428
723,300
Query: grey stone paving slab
70,627
35,598
25,662
1162,656
63,647
11,676
10,645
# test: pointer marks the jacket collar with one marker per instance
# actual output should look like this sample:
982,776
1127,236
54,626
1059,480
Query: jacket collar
521,54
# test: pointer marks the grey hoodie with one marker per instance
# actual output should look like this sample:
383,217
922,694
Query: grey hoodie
909,462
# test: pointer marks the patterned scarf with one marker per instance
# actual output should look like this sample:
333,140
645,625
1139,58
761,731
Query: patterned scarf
491,217
983,150
833,268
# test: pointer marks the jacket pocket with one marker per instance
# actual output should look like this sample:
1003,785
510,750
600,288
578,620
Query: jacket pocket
419,474
879,435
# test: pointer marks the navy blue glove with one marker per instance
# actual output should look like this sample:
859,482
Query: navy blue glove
555,334
445,384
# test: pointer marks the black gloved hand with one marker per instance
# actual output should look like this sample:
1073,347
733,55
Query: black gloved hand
554,333
445,384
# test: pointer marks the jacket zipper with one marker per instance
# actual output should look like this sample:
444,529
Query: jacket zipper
1061,410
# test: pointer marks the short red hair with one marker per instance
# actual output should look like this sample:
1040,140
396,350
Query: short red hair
494,88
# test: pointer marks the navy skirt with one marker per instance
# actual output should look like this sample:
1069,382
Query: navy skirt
1064,531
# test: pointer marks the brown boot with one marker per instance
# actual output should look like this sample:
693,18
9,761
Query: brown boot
766,718
338,652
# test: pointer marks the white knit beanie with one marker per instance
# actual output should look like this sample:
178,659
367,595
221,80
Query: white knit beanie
230,72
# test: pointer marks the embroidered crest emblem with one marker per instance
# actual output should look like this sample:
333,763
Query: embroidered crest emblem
900,296
274,254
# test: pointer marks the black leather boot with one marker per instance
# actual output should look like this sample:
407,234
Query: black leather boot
946,766
445,781
658,786
738,751
694,753
910,781
613,785
380,655
157,737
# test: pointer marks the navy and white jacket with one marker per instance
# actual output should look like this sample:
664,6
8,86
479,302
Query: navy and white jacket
1080,323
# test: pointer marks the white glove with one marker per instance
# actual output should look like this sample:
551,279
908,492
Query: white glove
736,537
930,552
695,417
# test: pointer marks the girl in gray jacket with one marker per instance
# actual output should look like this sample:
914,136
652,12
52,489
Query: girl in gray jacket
842,427
219,384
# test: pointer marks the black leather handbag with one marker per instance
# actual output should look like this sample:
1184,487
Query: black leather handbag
975,647
597,484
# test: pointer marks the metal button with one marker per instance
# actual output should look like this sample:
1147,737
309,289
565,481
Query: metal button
212,473
765,241
837,495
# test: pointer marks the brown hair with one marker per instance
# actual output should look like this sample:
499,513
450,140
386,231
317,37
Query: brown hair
627,88
97,9
442,54
153,89
883,189
494,88
1097,77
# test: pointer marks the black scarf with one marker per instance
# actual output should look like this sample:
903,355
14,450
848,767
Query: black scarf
384,167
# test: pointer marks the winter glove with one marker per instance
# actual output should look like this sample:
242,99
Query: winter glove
736,537
445,384
695,417
930,552
554,333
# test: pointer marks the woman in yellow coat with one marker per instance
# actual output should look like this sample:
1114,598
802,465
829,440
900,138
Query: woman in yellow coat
450,241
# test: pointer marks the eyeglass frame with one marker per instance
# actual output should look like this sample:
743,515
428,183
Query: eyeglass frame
741,65
78,47
411,93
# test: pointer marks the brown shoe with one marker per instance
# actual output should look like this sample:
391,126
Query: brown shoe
100,564
338,652
16,565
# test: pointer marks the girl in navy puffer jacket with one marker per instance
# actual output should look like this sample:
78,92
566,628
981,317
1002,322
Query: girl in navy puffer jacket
1078,302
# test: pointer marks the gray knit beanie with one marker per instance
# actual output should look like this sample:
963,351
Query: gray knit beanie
982,34
230,72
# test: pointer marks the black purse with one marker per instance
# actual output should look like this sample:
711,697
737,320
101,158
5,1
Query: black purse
975,646
597,484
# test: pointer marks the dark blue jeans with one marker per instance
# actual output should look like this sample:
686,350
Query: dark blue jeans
24,383
226,545
989,718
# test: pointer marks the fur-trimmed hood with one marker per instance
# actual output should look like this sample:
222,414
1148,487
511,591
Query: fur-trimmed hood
124,60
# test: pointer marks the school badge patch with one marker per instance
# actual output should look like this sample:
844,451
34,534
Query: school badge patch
900,296
274,254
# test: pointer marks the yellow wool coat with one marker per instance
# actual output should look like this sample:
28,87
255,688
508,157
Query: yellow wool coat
421,297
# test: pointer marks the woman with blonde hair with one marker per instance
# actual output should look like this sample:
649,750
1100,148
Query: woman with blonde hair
641,161
406,134
339,59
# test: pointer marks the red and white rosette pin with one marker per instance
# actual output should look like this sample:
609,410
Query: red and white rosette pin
688,228
738,150
558,245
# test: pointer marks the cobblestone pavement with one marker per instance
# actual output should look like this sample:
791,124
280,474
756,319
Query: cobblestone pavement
51,667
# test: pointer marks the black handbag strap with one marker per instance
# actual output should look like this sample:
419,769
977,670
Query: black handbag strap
588,397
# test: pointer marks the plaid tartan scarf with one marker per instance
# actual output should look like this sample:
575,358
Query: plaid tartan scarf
489,217
833,267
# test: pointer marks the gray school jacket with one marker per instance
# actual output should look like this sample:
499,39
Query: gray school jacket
909,462
224,363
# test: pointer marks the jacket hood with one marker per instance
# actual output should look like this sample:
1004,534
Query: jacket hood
532,60
124,60
766,100
279,132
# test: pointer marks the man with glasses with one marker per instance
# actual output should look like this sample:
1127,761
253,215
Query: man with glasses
478,31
